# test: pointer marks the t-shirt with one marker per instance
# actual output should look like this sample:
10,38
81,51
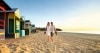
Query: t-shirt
53,29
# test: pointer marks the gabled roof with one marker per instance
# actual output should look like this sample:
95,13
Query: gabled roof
5,5
13,10
27,20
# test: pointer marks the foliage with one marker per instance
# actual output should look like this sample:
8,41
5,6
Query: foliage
44,29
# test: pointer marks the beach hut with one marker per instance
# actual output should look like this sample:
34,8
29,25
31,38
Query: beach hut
22,31
33,28
27,27
2,20
12,21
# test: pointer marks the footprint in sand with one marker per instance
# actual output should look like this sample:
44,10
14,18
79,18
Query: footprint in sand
4,49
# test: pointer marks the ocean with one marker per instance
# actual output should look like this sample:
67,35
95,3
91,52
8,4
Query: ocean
88,32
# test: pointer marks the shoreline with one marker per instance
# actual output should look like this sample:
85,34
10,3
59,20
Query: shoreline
84,32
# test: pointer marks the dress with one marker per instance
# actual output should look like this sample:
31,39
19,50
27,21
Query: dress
48,30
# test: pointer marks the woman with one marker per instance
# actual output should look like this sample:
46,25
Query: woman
48,31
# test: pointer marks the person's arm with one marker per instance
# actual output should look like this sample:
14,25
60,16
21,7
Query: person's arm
55,30
45,30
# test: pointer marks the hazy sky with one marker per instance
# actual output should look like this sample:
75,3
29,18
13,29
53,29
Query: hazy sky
66,14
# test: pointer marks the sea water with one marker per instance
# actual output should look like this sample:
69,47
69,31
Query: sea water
89,32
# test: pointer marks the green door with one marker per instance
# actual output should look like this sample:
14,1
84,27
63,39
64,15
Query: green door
11,25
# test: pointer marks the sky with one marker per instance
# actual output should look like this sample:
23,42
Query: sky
72,15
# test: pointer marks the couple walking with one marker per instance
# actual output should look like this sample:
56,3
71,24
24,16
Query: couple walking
50,30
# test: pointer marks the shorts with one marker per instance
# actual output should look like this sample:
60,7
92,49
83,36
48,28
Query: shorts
52,34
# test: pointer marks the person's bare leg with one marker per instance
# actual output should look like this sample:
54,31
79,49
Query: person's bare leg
51,38
48,39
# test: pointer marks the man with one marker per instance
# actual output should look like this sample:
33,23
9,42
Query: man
53,30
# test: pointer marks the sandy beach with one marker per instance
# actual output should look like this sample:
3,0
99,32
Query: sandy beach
63,43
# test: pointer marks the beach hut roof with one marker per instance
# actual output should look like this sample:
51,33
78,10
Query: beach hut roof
13,10
33,25
5,5
27,20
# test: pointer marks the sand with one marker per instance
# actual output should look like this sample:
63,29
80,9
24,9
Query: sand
63,43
